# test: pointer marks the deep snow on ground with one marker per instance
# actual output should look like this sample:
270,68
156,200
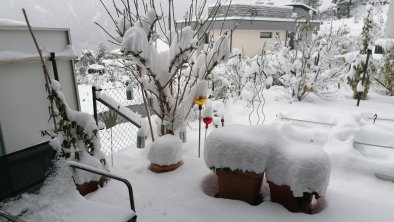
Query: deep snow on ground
353,194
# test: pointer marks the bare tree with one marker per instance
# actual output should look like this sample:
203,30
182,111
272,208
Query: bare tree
168,78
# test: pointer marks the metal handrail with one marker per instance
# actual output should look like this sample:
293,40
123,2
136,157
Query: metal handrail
107,174
118,112
10,217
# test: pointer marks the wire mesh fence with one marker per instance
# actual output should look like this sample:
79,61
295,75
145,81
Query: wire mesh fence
119,133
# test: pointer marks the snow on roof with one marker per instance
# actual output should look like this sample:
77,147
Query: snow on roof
255,10
14,57
9,22
264,19
302,5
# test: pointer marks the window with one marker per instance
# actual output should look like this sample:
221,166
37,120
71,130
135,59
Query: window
265,35
379,49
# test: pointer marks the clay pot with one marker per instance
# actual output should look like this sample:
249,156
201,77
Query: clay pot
239,185
283,195
165,168
90,186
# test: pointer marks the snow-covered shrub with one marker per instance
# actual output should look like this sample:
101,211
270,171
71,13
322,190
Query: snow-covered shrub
355,78
306,63
75,133
228,79
161,73
366,34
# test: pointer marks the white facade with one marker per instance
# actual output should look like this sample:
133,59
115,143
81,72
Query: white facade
252,42
389,30
23,102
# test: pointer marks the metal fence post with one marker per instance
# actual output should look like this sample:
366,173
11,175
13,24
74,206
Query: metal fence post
364,73
94,103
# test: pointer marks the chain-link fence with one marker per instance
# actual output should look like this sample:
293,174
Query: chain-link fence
119,133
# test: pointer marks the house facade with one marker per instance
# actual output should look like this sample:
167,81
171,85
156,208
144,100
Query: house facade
257,27
389,29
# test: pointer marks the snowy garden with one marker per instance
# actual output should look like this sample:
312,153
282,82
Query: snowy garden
177,125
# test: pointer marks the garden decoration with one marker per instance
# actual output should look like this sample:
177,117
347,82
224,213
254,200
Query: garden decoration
216,121
141,138
182,133
207,118
129,92
200,98
207,121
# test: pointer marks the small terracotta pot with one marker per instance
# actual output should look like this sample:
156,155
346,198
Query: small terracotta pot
90,186
164,168
283,195
239,185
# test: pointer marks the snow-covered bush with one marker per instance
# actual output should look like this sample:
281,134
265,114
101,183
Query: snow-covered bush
75,134
228,79
355,75
161,74
306,63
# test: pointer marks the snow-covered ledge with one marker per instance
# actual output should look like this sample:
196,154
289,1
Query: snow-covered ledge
304,167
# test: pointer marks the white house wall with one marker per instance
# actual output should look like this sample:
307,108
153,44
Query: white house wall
249,41
23,99
389,31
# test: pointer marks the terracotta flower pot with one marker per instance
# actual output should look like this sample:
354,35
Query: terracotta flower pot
283,195
240,185
90,186
162,169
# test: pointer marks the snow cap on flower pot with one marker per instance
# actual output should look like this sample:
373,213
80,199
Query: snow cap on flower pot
201,93
166,150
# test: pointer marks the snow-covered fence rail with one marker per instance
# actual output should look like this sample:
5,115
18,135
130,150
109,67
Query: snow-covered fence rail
121,117
281,117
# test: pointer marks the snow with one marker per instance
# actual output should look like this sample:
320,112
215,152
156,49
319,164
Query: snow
96,67
240,147
186,194
9,22
12,56
89,126
303,166
166,150
201,88
58,200
135,117
360,87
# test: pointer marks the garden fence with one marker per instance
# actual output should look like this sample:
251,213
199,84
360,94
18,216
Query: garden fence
119,132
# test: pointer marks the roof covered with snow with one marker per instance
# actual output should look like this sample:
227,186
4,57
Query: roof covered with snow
302,6
253,10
